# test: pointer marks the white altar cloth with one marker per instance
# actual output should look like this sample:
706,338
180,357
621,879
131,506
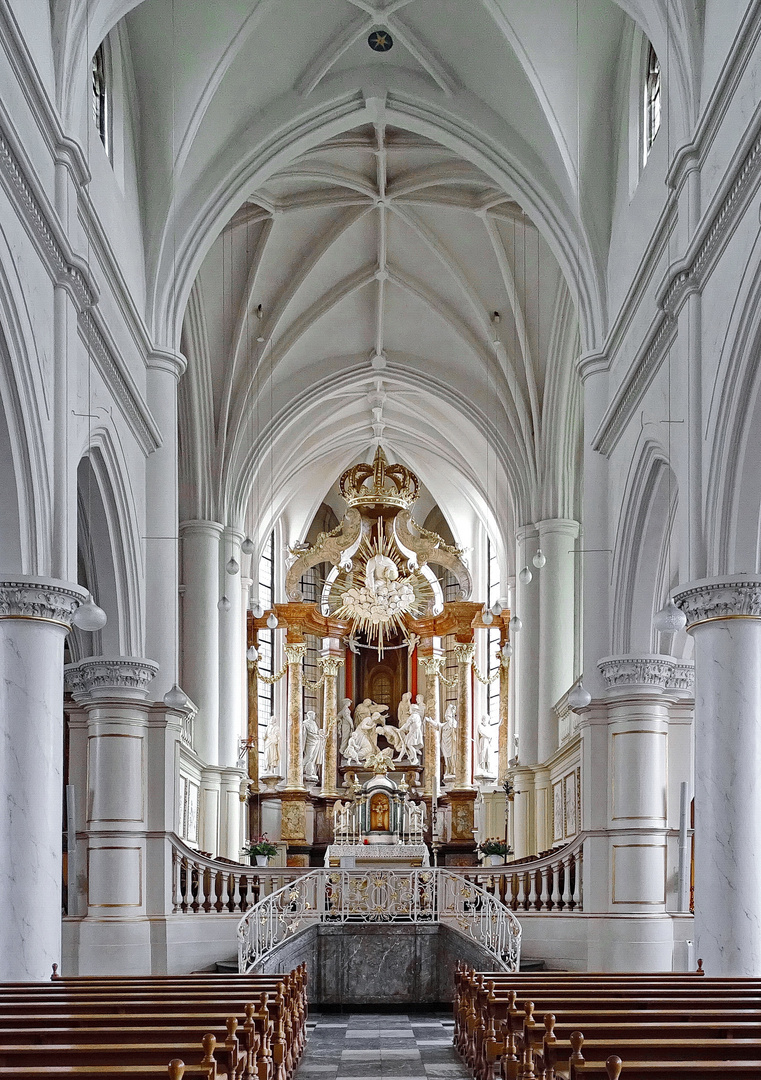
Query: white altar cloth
378,854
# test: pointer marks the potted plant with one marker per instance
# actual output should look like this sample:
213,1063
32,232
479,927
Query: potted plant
495,851
260,849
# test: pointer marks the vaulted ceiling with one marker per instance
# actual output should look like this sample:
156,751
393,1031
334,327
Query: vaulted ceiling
380,207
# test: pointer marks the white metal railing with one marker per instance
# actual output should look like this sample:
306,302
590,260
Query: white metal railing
383,895
550,884
206,886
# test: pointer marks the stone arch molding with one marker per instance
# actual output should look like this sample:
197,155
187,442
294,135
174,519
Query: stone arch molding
733,431
25,399
640,571
124,545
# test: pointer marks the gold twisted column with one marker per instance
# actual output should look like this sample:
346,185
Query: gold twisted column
431,745
330,665
294,654
464,652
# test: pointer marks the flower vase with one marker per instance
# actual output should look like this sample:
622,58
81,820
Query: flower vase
261,860
494,860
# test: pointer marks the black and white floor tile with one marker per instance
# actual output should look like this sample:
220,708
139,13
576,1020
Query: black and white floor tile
381,1046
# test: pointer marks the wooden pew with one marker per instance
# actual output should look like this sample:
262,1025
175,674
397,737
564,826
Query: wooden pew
130,1027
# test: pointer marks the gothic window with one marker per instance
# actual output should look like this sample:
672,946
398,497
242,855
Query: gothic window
266,662
100,96
493,594
652,99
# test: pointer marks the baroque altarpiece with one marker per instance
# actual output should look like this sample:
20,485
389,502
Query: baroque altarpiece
390,710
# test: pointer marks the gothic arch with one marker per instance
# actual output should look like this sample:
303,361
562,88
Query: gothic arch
24,392
642,569
109,561
733,430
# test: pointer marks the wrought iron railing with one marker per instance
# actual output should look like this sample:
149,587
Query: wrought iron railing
383,895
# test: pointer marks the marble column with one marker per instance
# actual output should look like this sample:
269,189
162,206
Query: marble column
35,616
432,665
638,712
505,749
724,618
464,652
161,545
109,759
252,686
330,661
556,585
294,654
526,646
231,656
200,631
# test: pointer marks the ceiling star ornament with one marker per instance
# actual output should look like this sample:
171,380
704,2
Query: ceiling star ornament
380,41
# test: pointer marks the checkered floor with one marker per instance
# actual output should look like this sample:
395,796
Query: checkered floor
361,1046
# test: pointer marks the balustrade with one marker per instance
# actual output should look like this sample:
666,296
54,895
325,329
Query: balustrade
202,886
549,884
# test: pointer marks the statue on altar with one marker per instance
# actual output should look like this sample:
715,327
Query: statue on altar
272,746
314,742
345,725
412,733
483,746
449,740
363,744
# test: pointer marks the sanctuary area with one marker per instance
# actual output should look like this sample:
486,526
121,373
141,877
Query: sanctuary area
380,538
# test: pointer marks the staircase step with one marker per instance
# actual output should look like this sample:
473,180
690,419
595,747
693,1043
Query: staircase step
227,967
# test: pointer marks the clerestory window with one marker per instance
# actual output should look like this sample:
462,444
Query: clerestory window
100,97
652,116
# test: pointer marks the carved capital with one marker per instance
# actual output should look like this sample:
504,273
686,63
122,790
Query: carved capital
432,664
330,665
40,598
464,652
650,672
101,677
732,597
295,652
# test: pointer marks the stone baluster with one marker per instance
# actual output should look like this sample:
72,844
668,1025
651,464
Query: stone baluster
557,869
567,891
544,899
577,879
724,618
533,896
330,661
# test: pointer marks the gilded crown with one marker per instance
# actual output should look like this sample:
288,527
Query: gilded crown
379,483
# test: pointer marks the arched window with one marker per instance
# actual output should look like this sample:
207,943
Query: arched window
100,96
652,116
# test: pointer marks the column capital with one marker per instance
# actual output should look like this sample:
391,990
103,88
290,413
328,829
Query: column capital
526,532
200,527
736,596
101,677
432,664
464,652
330,664
649,673
295,651
174,363
47,599
565,526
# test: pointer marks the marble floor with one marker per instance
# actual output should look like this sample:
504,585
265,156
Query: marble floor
363,1046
